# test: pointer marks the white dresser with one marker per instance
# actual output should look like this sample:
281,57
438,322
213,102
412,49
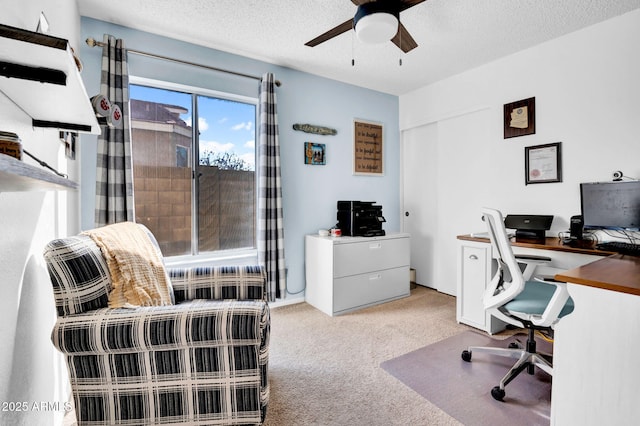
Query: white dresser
348,273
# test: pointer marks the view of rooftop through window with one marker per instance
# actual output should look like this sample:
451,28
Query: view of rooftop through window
223,193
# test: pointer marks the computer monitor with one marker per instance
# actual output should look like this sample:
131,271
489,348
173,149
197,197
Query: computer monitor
611,205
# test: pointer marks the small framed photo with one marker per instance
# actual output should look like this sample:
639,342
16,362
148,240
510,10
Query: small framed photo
520,118
543,163
315,154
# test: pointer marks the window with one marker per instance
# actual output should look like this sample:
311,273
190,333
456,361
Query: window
194,205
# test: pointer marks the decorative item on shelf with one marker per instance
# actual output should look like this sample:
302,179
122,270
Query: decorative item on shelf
69,141
106,112
116,116
43,24
10,145
318,130
314,153
101,105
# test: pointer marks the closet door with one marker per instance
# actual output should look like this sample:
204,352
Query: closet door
419,186
447,176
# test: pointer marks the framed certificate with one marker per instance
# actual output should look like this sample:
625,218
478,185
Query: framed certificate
543,163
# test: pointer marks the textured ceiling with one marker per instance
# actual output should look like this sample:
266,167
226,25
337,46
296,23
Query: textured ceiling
452,35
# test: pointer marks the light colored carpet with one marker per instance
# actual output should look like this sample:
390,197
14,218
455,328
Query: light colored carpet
326,370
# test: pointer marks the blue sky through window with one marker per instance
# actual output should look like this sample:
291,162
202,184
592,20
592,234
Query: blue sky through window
225,125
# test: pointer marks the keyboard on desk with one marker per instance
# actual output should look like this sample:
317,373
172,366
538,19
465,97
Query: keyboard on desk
620,247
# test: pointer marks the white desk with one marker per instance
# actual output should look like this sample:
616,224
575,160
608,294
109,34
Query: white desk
596,353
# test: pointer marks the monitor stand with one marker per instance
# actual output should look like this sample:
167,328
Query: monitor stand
537,234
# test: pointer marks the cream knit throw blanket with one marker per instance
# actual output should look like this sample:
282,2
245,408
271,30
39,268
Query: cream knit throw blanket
137,272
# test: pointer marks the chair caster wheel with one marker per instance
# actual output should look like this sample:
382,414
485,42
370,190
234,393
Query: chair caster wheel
513,345
497,393
466,356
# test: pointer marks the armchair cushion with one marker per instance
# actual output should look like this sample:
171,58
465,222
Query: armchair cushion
200,362
79,274
218,283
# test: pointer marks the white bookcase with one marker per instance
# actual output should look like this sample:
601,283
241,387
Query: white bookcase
344,274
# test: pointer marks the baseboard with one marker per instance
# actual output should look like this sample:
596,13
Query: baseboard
285,302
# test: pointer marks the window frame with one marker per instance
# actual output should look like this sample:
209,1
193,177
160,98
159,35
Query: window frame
243,255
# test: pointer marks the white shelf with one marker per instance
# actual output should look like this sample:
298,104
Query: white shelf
38,73
16,175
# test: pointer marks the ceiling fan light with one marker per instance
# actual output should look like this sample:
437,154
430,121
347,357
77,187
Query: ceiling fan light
377,27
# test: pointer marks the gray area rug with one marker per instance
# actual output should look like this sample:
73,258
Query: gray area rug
463,389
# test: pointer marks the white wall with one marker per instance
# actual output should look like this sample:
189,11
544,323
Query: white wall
586,85
31,370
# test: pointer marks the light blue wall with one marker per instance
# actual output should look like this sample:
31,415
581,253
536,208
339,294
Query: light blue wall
310,192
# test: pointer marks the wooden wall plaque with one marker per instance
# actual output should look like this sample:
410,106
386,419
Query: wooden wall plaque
367,148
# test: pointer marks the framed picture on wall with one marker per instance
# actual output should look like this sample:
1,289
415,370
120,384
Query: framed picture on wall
315,153
368,148
543,163
520,118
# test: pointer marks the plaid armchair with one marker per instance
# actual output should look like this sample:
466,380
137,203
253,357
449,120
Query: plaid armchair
201,361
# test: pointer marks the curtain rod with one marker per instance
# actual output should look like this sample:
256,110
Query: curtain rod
92,42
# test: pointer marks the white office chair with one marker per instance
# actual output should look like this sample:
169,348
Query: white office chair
515,299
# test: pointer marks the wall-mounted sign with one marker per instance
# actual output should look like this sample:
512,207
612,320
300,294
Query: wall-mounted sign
367,148
317,130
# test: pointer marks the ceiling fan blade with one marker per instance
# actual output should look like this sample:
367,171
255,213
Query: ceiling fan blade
406,4
403,39
342,28
359,2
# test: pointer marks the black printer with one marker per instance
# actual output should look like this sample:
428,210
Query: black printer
360,218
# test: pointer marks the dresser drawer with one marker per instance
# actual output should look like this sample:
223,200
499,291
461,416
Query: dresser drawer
358,258
366,289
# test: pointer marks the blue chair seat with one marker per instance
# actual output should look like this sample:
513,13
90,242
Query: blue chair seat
535,298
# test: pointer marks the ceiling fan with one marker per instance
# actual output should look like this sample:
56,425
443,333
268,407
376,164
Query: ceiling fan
375,21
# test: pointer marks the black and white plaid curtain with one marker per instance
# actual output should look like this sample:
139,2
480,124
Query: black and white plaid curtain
114,176
270,218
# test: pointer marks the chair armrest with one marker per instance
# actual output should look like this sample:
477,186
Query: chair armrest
218,283
531,262
197,323
552,313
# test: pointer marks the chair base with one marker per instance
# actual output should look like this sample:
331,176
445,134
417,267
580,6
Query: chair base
527,358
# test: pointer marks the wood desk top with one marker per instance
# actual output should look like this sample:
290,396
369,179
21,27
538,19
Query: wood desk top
549,243
615,272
